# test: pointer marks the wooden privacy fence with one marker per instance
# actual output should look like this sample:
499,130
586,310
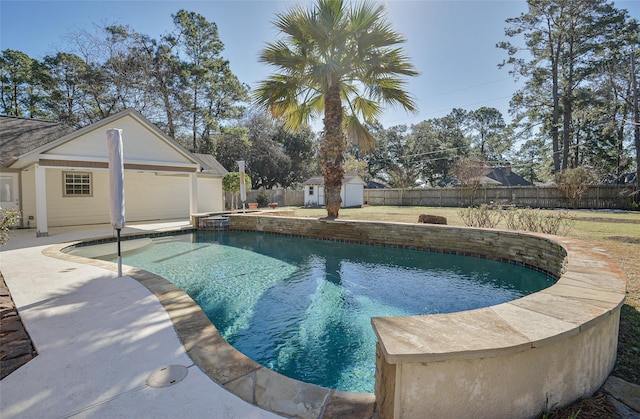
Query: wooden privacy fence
282,197
596,197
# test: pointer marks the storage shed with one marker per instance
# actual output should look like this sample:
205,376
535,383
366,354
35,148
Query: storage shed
352,192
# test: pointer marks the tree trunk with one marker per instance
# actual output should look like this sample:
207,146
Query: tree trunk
566,131
576,154
636,123
556,107
332,150
567,102
195,113
620,152
171,130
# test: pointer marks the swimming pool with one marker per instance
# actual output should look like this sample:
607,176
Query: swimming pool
302,307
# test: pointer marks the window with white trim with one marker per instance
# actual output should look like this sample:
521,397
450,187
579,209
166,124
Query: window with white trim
77,184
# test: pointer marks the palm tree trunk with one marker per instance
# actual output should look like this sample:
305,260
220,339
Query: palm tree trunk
332,150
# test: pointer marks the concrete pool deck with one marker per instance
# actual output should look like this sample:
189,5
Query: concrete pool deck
98,339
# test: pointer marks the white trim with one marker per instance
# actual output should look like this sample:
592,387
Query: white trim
41,202
100,169
193,193
45,156
126,161
74,174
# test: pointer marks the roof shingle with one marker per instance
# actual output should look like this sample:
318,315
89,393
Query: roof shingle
18,136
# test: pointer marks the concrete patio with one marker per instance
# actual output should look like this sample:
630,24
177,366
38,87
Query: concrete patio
98,339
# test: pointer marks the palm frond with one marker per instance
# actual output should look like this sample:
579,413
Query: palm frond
393,93
358,134
369,110
330,43
280,55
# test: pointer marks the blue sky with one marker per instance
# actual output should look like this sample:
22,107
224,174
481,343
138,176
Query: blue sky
451,42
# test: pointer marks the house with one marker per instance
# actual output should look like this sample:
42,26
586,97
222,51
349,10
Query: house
497,176
503,176
57,176
628,178
371,184
352,191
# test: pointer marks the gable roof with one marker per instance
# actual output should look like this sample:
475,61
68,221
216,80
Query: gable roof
209,165
506,177
488,181
502,176
371,184
64,141
27,140
319,180
448,181
19,136
316,180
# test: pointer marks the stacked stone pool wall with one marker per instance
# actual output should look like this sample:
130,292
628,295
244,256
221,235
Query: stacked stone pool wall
536,252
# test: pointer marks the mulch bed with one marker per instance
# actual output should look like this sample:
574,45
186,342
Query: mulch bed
16,347
596,407
624,239
608,220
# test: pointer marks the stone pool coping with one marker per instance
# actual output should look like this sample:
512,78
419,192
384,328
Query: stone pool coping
591,288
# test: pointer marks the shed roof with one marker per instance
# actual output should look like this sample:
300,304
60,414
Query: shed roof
319,180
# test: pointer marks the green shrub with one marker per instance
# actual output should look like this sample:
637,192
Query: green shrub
262,199
8,219
231,183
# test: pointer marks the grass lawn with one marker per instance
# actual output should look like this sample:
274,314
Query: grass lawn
617,232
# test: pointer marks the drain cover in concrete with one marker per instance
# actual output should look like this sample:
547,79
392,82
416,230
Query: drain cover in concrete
167,376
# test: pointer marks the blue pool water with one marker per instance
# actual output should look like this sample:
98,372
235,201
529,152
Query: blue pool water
303,307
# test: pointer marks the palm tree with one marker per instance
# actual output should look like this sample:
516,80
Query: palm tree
343,61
